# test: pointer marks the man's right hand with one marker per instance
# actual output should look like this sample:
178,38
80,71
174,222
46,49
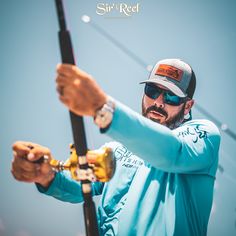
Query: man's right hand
24,165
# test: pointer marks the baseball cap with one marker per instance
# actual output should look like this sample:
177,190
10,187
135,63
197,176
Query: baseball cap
174,74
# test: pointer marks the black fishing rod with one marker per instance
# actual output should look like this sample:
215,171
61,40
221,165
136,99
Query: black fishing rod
78,129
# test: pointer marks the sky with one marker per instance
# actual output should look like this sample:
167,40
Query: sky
200,32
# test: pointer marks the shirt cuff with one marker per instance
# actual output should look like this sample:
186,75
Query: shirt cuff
50,188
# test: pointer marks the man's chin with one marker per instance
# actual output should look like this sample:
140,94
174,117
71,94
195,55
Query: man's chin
155,120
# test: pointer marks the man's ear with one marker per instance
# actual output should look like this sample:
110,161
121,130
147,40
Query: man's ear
188,105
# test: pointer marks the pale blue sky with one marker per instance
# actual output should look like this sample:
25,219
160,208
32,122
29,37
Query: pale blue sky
201,32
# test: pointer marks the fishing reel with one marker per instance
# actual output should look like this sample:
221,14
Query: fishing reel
100,165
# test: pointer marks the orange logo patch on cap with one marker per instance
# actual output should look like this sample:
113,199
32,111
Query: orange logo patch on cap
169,71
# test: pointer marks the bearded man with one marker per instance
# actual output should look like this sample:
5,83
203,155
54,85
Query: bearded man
165,162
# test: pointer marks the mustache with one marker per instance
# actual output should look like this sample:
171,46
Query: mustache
157,109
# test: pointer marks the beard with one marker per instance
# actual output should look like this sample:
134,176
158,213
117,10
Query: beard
172,122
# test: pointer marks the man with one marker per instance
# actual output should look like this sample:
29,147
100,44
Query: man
164,180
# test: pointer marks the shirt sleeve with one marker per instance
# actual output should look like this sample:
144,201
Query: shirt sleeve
66,189
191,148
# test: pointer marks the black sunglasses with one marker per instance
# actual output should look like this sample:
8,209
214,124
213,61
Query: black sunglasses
153,92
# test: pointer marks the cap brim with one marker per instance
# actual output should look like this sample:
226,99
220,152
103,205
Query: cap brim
169,85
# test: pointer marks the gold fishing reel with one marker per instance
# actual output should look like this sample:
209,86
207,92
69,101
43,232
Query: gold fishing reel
101,165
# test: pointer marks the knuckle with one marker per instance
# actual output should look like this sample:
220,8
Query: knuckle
74,69
89,77
15,175
59,67
47,150
77,82
15,145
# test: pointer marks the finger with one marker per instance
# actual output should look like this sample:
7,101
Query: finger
62,80
24,146
64,90
20,148
65,101
67,93
69,70
20,177
22,171
38,152
25,165
31,176
60,90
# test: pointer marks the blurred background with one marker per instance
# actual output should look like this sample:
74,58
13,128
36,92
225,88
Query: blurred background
200,32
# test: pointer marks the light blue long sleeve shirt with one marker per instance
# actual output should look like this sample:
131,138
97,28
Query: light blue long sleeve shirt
164,179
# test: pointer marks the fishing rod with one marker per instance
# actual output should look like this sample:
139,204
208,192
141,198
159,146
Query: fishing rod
78,129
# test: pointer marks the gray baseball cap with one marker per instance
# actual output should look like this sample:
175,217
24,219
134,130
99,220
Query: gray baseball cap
175,75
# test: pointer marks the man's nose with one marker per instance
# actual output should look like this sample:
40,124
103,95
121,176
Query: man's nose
159,102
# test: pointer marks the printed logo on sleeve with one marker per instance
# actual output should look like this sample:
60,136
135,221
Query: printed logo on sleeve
196,133
127,158
169,71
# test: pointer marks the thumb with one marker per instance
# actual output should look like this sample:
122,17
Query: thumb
34,158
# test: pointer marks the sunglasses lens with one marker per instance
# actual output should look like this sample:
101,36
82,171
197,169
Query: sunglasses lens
152,91
172,99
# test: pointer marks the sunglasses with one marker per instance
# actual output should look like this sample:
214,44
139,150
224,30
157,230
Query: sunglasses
153,92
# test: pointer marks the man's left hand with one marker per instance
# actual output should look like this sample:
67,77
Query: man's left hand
78,90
